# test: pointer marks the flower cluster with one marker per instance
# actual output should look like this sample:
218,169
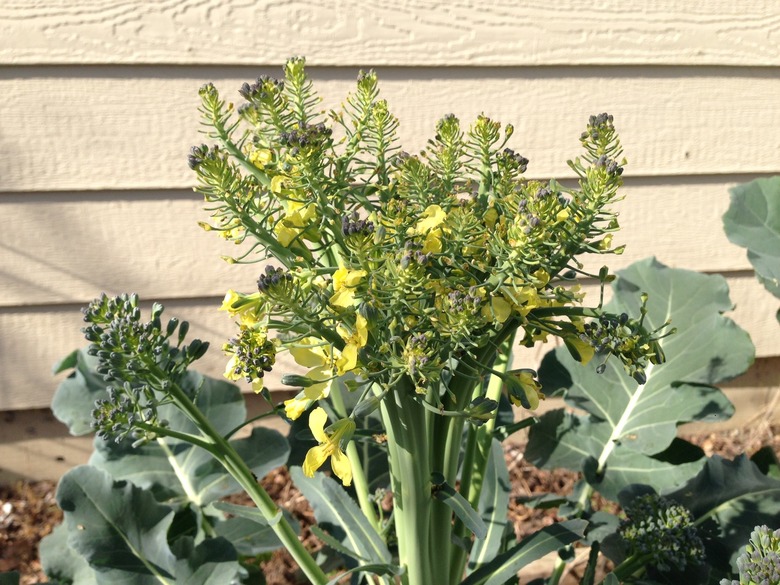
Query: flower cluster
139,361
627,339
759,564
662,532
395,267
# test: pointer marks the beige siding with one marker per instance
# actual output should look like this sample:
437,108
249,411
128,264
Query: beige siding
99,110
119,128
360,32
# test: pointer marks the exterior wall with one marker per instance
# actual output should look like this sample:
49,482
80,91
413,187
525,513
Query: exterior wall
99,108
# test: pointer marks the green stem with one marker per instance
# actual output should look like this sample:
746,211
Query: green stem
478,451
411,479
187,437
224,452
557,571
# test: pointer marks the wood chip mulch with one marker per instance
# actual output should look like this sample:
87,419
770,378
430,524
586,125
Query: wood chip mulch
28,510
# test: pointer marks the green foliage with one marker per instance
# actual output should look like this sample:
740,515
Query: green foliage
628,427
753,222
507,564
337,514
156,499
11,578
738,497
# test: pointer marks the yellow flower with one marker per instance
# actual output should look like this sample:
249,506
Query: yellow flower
580,350
233,373
434,216
524,389
297,218
499,309
329,446
315,354
277,183
344,283
248,308
261,157
295,407
432,242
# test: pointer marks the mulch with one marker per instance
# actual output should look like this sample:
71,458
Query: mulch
28,510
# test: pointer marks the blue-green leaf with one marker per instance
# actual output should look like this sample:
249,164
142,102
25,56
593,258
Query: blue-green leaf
211,562
493,508
121,531
248,529
627,424
338,514
374,568
506,565
11,578
61,563
447,494
75,397
753,222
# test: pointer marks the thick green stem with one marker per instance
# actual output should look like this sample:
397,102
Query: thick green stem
411,479
477,452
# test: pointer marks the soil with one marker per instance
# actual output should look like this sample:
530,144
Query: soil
28,511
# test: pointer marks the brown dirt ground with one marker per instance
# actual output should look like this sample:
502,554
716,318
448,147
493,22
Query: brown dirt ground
28,511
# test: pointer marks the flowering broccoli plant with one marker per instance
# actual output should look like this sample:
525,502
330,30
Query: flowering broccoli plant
399,283
405,279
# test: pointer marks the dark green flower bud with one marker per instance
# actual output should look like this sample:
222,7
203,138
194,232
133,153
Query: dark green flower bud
172,324
297,380
366,407
481,410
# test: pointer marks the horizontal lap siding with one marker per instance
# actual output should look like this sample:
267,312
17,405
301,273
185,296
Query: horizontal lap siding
93,177
356,32
107,128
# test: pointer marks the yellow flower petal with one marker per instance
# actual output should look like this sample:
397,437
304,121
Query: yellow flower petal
432,243
261,157
317,420
501,309
277,183
341,466
361,327
295,407
434,216
230,369
322,388
285,235
347,361
311,353
344,298
315,457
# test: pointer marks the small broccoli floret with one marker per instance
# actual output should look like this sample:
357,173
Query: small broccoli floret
662,533
759,564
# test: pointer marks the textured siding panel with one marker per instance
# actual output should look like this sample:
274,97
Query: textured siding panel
87,129
356,32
